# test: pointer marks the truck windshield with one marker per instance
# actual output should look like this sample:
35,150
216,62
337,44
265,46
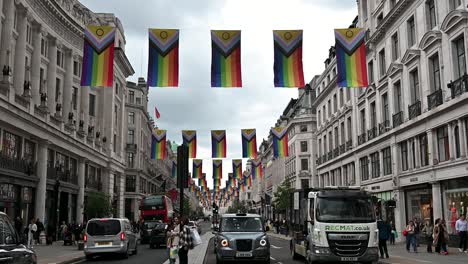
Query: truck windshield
345,210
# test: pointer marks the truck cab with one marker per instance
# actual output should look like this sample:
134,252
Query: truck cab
341,227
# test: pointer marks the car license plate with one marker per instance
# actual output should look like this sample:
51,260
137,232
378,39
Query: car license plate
348,259
244,254
101,244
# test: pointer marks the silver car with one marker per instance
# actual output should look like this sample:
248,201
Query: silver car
241,237
109,235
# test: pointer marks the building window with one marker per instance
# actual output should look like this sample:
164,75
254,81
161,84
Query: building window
29,150
303,146
130,159
379,19
329,108
387,161
58,89
341,97
131,97
44,47
443,143
304,164
11,145
375,164
138,101
29,33
397,94
363,121
454,4
131,118
77,68
330,141
404,155
431,14
319,119
305,184
413,152
115,143
364,163
92,104
336,138
456,135
382,64
385,109
116,88
335,104
434,72
411,27
342,131
460,60
320,147
349,124
370,71
424,150
325,144
60,58
75,98
414,86
395,47
323,114
130,183
373,115
131,136
303,128
348,93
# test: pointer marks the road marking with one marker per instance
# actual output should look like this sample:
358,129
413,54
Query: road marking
275,247
272,258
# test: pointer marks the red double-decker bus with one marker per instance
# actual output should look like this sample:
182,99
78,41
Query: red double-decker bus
156,207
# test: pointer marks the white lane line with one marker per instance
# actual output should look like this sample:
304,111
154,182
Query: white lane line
272,258
275,247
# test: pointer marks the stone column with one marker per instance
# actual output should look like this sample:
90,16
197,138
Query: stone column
400,212
51,73
36,64
436,201
121,198
20,51
81,191
41,189
7,33
451,141
462,132
417,152
431,147
68,84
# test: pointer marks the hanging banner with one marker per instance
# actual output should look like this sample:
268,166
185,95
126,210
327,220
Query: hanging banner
98,56
351,57
217,169
158,144
257,170
226,58
197,172
249,143
163,58
218,143
288,58
280,141
189,138
237,168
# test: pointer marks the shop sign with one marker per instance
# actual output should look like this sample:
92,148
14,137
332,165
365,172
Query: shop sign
7,192
415,179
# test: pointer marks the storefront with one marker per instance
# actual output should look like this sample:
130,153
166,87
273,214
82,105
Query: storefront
9,199
455,201
419,203
385,206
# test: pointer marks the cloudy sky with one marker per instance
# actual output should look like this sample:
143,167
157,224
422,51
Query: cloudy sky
194,104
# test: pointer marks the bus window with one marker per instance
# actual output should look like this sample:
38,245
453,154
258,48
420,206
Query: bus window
311,210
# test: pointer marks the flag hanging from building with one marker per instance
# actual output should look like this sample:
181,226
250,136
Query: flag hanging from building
189,138
280,141
174,169
257,170
237,168
218,143
217,169
350,50
249,143
158,144
288,58
226,58
197,169
156,113
163,59
98,56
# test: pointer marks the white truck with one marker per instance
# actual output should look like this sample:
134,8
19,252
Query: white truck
341,227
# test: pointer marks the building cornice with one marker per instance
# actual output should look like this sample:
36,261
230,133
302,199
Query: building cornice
123,62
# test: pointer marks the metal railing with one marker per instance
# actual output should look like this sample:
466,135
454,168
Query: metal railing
459,86
330,155
336,152
362,138
54,173
414,110
349,144
324,158
342,148
384,127
435,99
397,119
372,133
18,165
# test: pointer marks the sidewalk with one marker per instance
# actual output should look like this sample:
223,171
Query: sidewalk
398,254
57,253
197,255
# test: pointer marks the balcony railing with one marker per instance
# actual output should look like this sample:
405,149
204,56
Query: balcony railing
336,152
372,133
459,86
384,127
18,165
324,158
93,184
330,155
434,99
342,148
131,146
318,161
397,119
414,110
349,144
54,173
362,139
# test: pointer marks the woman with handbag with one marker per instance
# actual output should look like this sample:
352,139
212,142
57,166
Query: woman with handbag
172,244
410,237
427,231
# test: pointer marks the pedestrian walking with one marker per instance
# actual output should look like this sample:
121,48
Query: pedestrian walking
172,243
410,237
40,228
18,225
461,226
32,229
440,237
428,231
394,234
385,231
417,231
185,240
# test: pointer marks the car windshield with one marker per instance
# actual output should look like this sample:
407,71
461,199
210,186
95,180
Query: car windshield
345,210
241,224
8,234
103,227
151,225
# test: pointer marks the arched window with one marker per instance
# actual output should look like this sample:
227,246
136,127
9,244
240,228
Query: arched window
456,134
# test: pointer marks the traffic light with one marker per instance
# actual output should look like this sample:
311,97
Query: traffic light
182,166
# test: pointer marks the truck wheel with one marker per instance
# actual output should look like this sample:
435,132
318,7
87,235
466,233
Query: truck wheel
294,255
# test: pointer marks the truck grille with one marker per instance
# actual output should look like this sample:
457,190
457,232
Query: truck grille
348,248
244,244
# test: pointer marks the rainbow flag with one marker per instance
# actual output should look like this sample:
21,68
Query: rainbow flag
218,143
98,56
174,169
197,172
217,169
249,143
237,168
257,170
158,144
226,58
288,58
163,59
280,141
351,57
189,138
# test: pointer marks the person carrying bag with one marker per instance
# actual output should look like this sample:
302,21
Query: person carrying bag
185,241
173,240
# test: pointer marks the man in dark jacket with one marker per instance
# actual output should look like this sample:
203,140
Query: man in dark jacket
385,231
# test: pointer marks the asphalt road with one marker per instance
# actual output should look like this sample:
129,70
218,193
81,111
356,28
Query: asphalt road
279,252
